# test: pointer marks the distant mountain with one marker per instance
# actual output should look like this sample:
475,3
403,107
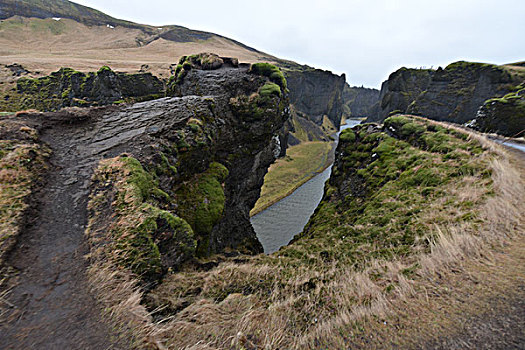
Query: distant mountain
58,33
66,9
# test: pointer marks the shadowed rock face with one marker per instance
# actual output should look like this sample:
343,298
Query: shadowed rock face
359,101
456,92
316,93
505,116
399,91
453,94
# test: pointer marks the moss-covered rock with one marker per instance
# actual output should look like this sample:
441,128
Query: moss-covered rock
68,87
452,94
201,200
270,71
505,115
387,190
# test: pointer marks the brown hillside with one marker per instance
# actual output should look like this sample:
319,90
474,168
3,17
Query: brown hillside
45,45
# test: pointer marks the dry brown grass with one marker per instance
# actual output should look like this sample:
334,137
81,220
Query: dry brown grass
33,44
21,163
266,305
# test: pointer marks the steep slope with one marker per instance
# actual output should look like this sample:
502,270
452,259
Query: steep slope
458,91
407,206
85,39
505,115
316,93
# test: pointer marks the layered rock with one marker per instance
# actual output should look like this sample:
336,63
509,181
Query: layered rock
175,177
456,92
453,94
316,93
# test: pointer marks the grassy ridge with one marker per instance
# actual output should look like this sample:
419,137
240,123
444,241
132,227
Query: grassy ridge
286,175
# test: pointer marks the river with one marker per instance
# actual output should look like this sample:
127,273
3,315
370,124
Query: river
279,223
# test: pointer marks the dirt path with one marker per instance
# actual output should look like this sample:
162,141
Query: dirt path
52,307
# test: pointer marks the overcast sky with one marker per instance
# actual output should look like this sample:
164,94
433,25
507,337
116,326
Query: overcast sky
366,39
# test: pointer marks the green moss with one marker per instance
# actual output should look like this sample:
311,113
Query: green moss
270,89
270,71
201,200
347,135
104,69
142,231
383,184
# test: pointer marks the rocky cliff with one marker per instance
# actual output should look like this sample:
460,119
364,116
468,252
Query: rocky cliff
505,115
399,91
359,102
315,93
390,177
184,171
453,94
457,92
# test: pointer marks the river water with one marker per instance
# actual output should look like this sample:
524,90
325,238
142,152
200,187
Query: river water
278,224
519,146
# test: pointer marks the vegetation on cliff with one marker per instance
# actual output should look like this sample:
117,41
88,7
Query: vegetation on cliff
453,94
142,236
70,88
505,115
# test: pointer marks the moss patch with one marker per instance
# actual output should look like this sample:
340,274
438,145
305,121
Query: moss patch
141,235
201,201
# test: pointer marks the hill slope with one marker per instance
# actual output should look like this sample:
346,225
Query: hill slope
46,35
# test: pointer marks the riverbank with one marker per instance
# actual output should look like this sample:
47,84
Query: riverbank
301,164
287,174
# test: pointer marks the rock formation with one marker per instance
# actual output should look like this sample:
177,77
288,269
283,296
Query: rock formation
453,94
315,93
70,88
399,91
505,116
359,101
456,92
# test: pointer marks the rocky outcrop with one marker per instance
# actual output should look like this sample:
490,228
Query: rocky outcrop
386,182
68,88
399,91
456,92
316,93
359,102
504,116
453,94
